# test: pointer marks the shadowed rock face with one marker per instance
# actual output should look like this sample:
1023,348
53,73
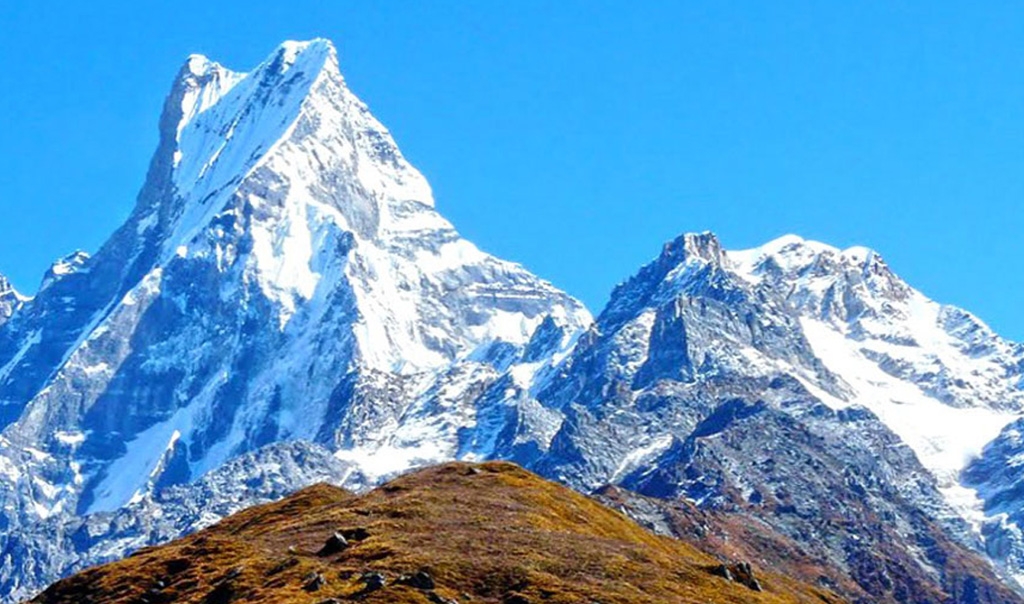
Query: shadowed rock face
489,533
286,305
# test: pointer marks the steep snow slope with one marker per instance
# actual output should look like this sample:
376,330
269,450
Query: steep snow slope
934,374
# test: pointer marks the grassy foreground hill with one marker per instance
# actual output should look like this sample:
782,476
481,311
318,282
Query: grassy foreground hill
449,534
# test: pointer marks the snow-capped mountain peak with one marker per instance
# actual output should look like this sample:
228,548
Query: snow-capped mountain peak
836,285
795,256
202,82
283,276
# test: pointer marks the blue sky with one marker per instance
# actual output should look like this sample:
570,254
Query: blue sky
577,136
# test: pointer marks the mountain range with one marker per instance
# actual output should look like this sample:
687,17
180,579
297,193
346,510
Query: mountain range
285,306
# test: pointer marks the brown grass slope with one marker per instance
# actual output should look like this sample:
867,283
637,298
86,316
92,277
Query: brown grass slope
484,533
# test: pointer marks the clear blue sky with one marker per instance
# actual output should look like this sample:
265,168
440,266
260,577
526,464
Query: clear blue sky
577,136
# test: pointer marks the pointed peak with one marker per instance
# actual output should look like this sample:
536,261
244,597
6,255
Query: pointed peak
704,246
199,84
8,292
202,82
219,126
666,273
199,71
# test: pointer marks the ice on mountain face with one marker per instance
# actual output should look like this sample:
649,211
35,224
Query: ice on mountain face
998,476
142,460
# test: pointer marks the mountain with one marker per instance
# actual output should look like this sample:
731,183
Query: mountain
284,276
286,306
489,533
801,385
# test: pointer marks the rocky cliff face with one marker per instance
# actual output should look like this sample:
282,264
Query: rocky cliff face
285,304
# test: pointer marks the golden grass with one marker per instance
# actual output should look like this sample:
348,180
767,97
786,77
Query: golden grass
485,533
